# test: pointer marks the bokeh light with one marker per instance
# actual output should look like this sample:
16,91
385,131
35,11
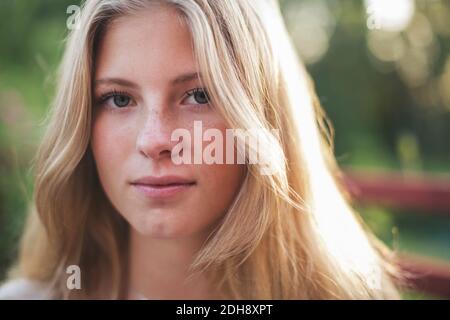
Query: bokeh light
389,15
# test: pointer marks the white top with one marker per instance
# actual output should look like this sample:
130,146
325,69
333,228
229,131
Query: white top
24,289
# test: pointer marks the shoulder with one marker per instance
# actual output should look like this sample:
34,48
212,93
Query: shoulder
24,289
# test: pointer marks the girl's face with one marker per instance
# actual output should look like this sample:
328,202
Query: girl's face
146,86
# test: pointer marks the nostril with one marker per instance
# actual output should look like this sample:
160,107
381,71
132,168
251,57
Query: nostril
165,153
154,145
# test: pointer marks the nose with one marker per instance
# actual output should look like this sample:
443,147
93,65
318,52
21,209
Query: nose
154,137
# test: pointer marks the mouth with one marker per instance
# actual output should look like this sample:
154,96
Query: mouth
162,187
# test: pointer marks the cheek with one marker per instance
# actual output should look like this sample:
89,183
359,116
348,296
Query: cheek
110,145
219,188
221,182
224,178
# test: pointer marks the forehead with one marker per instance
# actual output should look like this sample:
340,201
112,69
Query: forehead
151,45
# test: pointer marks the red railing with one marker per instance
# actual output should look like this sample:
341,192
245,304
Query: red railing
427,275
409,192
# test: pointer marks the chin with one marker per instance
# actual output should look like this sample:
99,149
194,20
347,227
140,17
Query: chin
160,227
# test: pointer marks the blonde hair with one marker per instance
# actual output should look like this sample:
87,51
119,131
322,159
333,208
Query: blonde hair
289,235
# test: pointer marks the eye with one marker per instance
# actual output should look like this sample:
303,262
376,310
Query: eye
197,96
116,99
121,100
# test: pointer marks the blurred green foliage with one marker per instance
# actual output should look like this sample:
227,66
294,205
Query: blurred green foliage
31,43
385,117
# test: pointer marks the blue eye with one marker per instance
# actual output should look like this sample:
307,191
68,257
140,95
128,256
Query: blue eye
118,99
121,101
200,96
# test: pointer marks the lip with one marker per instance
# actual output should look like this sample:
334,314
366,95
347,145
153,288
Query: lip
162,187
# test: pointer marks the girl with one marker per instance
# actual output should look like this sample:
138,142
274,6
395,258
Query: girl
112,206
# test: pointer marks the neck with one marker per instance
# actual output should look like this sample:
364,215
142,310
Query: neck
158,269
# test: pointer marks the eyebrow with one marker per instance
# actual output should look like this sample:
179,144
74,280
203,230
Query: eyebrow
126,83
186,77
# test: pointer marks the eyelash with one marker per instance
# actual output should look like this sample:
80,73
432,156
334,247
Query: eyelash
104,97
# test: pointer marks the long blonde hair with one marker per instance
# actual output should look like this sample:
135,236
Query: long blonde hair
288,235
